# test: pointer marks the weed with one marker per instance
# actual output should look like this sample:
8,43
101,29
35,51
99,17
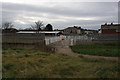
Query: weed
93,60
27,55
19,56
4,52
81,56
55,65
14,49
45,54
64,55
66,71
7,66
4,48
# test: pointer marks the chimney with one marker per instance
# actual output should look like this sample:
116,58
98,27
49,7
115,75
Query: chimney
105,23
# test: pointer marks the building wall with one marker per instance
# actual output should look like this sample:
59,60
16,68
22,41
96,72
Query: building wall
88,32
110,28
10,31
78,31
109,31
71,31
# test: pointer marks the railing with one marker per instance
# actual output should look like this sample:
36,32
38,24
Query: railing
71,39
82,38
50,40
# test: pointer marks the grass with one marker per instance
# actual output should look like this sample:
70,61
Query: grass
21,63
105,49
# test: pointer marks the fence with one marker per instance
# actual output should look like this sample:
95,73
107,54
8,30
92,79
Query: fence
28,40
81,38
106,37
50,40
71,39
40,41
93,38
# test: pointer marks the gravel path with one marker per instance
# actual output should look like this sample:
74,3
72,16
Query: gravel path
63,47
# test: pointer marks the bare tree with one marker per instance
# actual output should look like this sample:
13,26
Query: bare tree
7,25
37,26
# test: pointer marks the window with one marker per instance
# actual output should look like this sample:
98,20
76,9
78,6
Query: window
117,30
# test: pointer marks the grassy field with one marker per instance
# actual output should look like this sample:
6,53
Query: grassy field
105,49
20,63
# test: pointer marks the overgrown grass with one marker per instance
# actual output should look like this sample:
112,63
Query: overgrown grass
36,64
104,49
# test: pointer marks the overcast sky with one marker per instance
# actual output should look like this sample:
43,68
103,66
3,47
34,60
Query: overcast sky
90,15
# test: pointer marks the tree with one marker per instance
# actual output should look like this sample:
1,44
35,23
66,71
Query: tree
7,25
48,27
37,26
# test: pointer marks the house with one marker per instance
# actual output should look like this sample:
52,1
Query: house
10,30
110,28
90,31
72,30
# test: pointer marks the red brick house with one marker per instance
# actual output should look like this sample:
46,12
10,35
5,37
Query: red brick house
10,30
110,28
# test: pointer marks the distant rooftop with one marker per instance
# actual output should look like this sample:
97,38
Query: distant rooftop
110,26
73,27
39,32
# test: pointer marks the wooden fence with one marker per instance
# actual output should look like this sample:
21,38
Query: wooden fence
28,40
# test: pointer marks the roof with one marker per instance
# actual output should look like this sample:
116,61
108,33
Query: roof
49,31
10,29
39,32
110,26
89,30
75,27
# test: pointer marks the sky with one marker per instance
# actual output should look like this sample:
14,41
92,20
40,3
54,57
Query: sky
61,14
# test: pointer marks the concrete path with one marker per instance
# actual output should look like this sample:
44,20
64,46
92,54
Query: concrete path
63,47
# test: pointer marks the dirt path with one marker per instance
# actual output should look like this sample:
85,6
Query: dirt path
63,47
